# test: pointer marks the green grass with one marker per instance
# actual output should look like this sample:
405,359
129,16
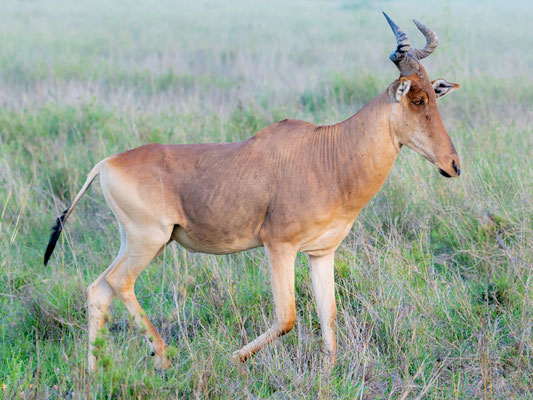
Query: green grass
433,283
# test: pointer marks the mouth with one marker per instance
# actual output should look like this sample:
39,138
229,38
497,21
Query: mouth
444,173
454,167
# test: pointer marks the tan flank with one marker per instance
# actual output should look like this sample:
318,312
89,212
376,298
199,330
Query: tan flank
294,186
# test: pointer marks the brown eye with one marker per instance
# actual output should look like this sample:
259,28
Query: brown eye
419,102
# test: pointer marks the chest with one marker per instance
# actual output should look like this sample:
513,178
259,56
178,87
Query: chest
324,241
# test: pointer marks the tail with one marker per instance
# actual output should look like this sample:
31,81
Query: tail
58,227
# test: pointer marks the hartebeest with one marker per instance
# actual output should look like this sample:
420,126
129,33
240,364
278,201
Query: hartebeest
292,187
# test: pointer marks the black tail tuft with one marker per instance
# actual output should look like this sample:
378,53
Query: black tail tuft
56,231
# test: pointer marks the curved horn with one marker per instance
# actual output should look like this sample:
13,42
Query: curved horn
432,41
402,57
401,39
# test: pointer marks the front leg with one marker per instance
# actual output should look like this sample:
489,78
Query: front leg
281,259
322,275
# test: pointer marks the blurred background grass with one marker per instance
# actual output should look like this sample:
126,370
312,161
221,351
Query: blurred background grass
433,282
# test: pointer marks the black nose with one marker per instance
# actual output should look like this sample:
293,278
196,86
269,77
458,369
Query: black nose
455,168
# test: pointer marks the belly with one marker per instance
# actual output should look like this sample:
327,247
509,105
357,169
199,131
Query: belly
214,242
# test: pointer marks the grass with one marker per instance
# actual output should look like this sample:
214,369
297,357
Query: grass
433,283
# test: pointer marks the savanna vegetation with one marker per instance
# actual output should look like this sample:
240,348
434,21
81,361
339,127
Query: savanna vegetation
434,282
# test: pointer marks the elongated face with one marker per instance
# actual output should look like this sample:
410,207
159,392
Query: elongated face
415,115
417,122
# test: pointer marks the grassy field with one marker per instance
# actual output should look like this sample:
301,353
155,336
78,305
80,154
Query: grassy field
434,283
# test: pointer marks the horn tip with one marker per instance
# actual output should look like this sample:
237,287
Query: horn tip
420,25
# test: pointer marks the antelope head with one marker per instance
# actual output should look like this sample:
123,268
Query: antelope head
415,117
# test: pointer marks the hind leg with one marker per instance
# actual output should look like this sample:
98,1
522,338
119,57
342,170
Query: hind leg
140,250
99,297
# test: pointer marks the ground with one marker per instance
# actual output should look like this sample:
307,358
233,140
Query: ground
434,282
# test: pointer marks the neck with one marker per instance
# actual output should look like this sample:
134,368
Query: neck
371,126
365,152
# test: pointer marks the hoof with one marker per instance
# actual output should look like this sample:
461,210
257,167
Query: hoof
239,361
330,359
91,366
239,357
161,362
236,357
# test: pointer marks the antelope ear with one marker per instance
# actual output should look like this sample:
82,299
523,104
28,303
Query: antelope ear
401,88
443,87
